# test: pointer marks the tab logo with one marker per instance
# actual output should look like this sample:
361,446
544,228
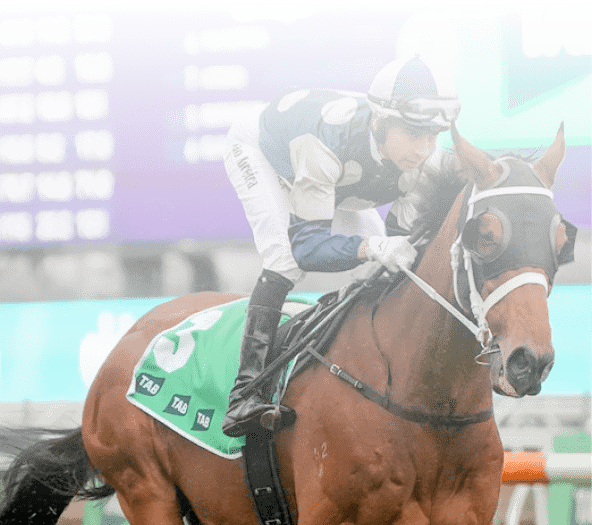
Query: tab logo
148,384
178,405
203,419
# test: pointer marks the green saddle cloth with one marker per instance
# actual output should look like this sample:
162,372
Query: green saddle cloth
184,377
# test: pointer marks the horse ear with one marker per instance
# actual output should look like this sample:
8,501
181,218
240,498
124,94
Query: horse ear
475,163
549,163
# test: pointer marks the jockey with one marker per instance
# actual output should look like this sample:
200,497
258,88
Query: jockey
310,169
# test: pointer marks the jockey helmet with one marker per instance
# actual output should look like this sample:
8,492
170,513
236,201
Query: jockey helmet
419,94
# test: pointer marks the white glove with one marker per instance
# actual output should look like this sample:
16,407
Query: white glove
393,252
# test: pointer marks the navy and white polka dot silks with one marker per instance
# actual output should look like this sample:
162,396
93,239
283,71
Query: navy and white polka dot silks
321,139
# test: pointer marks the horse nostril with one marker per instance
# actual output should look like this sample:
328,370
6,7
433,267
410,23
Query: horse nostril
521,362
522,371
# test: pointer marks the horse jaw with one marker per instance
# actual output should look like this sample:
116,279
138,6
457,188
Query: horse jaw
547,166
522,336
476,165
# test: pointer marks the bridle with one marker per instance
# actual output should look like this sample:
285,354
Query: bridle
476,304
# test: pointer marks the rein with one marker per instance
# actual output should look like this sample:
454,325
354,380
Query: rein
479,308
415,416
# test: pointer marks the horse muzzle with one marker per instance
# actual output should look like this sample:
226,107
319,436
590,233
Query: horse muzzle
523,373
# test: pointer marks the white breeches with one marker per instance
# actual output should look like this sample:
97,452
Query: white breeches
264,195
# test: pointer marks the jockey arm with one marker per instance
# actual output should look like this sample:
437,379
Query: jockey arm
316,250
429,194
312,200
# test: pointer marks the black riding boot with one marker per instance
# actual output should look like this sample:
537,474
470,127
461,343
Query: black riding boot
263,316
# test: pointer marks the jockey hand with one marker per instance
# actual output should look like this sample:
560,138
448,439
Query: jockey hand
392,252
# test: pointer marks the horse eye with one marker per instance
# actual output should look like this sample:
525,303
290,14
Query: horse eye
490,226
483,235
490,234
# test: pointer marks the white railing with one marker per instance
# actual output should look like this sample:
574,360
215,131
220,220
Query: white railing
560,485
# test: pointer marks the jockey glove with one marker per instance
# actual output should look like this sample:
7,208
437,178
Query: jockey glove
392,252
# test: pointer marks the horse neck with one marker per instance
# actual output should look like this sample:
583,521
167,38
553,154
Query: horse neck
431,351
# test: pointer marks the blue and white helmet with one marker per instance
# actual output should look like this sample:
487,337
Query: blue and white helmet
419,94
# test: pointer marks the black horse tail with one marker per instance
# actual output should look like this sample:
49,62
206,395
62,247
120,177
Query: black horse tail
50,468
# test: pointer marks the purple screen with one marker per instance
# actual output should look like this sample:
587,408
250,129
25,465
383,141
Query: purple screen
162,189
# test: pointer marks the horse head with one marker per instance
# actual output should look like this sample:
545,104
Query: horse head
513,241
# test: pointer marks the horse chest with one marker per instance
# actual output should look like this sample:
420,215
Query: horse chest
425,475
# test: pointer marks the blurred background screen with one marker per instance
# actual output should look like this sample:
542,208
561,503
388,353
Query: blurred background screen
113,118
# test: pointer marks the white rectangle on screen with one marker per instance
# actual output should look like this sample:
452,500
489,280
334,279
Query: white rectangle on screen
17,108
206,147
94,184
237,38
17,187
92,224
91,104
50,70
55,106
17,32
54,30
50,148
54,225
93,67
211,78
16,227
55,186
94,145
218,114
17,149
16,71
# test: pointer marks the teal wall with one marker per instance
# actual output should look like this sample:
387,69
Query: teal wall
51,350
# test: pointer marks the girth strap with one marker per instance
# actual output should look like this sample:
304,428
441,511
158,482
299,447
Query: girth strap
264,481
415,416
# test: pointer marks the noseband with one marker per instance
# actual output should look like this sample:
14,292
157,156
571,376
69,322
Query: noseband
540,254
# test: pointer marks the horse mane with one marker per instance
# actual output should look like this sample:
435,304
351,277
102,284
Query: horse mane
445,187
438,189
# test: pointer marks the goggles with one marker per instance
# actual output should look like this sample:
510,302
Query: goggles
422,109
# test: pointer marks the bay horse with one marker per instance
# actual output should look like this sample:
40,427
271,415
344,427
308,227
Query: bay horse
346,459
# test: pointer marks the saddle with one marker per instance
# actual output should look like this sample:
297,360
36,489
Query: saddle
309,334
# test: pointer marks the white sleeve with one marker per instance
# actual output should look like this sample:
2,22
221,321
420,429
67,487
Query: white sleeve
317,170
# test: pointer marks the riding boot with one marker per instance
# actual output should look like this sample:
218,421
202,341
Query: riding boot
263,316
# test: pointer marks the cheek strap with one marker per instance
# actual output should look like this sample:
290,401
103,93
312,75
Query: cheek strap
520,280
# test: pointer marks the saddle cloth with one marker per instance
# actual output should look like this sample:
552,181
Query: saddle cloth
185,375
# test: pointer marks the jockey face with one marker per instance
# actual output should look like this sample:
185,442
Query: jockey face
409,146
